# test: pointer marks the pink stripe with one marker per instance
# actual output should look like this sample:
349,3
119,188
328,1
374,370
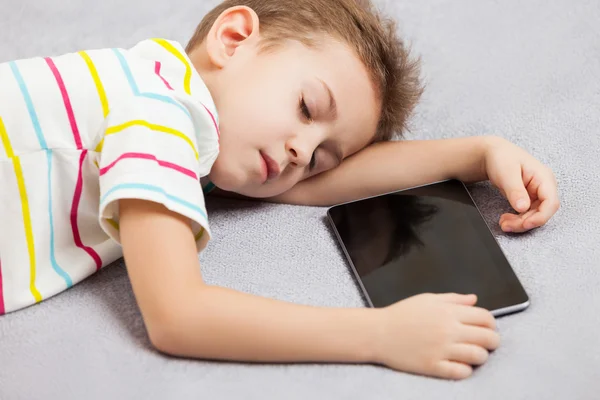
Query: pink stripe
213,120
144,156
157,70
2,311
65,96
74,208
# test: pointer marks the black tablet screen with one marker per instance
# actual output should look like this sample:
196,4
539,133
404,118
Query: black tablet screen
428,239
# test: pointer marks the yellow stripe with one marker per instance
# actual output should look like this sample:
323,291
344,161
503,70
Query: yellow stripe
25,208
113,223
158,128
5,140
99,147
199,234
97,82
188,69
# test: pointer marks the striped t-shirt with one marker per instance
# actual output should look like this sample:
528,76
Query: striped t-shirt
81,131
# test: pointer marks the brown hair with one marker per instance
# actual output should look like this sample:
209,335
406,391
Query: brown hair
356,22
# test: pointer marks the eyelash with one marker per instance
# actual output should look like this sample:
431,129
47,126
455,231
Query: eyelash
306,113
313,161
304,109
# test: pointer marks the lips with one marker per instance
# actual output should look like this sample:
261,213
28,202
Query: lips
272,167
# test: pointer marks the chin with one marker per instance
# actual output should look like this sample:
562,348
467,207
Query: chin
222,177
261,192
240,182
228,179
225,183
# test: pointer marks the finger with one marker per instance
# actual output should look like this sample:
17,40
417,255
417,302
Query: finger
511,222
514,223
477,316
464,299
468,353
508,218
511,183
531,179
484,337
511,216
549,205
453,370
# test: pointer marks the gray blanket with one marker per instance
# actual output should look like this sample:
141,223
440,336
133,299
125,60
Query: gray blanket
525,70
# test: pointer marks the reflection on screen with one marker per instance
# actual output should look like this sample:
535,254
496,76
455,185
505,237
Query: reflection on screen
430,239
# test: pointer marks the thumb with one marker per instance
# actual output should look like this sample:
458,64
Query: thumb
464,299
511,183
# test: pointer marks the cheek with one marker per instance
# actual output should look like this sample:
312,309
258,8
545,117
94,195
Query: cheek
252,118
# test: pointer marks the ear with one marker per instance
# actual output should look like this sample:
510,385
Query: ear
234,27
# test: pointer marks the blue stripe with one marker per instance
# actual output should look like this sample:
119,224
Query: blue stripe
29,103
127,71
43,145
166,99
57,269
208,188
136,90
155,189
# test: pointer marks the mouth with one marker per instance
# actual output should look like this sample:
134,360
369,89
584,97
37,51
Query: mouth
270,169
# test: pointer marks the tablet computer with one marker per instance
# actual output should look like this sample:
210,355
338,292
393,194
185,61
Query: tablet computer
428,239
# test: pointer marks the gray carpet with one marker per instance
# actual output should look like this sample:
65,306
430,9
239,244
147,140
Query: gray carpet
526,70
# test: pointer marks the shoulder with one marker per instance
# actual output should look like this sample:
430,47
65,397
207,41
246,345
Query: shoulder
157,48
168,58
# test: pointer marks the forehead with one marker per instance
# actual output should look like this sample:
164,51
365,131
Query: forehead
358,107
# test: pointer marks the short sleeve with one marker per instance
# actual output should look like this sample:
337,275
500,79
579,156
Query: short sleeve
150,151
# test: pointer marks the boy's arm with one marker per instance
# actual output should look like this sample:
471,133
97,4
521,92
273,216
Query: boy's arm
187,317
390,166
528,185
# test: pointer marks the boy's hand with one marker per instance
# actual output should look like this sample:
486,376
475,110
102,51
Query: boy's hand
440,335
529,186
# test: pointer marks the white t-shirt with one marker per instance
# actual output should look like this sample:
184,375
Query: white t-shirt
80,131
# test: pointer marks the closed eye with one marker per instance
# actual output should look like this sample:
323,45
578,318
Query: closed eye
304,109
313,161
307,115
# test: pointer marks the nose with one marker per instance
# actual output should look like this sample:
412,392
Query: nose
299,153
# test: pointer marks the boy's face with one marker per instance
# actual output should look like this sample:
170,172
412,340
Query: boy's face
288,114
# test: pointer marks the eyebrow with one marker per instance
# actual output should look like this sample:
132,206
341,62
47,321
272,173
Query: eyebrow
332,109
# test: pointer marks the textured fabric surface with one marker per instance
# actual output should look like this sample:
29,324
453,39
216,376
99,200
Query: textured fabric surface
529,71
